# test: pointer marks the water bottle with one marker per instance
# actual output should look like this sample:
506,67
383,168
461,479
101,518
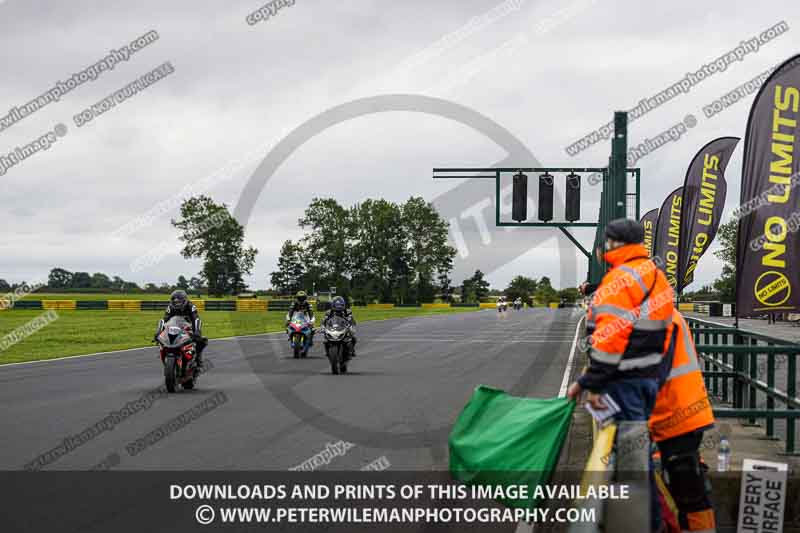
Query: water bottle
724,455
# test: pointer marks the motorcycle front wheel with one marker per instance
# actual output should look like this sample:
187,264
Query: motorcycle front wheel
170,373
296,346
335,357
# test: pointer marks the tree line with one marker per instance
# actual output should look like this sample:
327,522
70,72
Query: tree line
724,287
63,280
375,250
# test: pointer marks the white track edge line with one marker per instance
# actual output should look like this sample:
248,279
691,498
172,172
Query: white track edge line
567,371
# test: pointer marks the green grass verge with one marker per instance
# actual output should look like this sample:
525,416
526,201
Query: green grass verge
84,332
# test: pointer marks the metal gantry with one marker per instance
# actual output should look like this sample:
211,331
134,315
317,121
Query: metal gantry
613,201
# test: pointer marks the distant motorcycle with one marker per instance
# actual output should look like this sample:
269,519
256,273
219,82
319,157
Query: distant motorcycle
338,343
501,307
178,351
517,305
299,330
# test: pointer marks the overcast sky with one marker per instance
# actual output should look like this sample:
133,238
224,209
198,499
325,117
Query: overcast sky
547,71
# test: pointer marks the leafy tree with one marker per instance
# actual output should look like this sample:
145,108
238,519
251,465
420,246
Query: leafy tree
570,294
327,242
211,233
81,280
291,269
373,251
59,279
727,238
426,248
468,291
480,286
182,283
544,291
117,284
129,286
196,284
521,287
706,292
4,286
445,289
100,281
725,285
379,252
150,287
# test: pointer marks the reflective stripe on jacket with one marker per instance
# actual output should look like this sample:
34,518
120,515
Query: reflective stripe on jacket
629,319
682,404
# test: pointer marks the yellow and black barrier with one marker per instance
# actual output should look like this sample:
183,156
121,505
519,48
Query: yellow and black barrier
248,304
124,305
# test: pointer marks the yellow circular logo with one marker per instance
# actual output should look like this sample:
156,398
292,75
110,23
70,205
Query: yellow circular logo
772,288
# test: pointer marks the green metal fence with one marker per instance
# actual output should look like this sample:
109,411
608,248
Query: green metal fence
756,375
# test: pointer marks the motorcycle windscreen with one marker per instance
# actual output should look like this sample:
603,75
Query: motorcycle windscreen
175,332
504,440
299,317
337,322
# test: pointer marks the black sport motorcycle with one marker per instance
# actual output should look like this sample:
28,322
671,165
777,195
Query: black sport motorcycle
338,343
178,352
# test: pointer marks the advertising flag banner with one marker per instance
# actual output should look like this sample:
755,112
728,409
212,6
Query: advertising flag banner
704,192
668,236
648,222
768,242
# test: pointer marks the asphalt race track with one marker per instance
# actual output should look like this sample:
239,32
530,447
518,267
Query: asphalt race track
260,409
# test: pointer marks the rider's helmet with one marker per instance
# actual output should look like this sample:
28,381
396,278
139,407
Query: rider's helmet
338,304
301,296
179,301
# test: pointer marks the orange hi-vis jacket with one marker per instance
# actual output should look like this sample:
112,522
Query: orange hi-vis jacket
682,405
629,320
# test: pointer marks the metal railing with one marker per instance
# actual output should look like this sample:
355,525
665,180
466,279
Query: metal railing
743,367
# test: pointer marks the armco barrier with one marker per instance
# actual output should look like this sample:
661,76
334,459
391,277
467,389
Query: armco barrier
95,305
380,306
214,305
279,305
686,306
220,305
58,304
28,304
251,305
124,305
157,305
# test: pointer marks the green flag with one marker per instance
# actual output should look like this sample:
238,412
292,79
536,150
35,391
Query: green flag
503,440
